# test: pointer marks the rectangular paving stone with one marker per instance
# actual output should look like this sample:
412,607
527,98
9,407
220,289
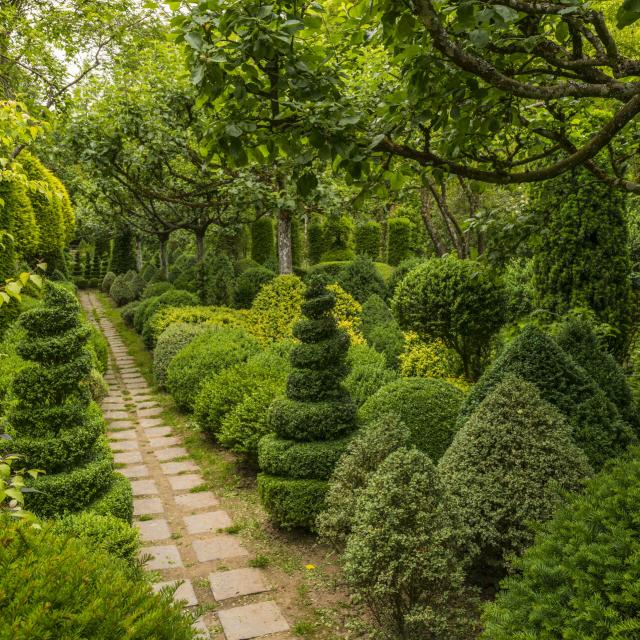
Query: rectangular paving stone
136,471
153,530
208,522
252,620
125,445
114,406
184,593
120,425
150,413
127,457
165,441
238,582
116,415
150,422
147,506
144,488
185,482
218,548
164,557
173,468
198,500
170,453
138,385
123,434
158,432
147,404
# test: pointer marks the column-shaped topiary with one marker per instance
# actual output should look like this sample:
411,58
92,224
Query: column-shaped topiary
368,238
311,422
263,244
54,424
123,256
398,240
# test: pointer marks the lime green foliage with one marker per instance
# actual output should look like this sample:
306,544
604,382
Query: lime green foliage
107,281
176,336
123,257
585,219
219,281
10,363
263,246
361,279
577,338
248,285
276,309
367,238
366,451
121,291
458,301
75,591
165,316
347,314
66,209
221,394
203,357
8,256
17,216
368,372
316,408
98,344
398,240
55,426
580,578
506,468
102,532
431,359
400,557
381,330
151,306
428,407
536,358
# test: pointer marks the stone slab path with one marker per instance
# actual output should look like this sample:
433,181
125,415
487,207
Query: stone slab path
182,525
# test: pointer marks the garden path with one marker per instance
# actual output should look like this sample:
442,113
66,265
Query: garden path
181,526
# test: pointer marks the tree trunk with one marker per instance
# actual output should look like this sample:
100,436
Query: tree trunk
451,224
200,233
285,255
164,261
425,212
138,254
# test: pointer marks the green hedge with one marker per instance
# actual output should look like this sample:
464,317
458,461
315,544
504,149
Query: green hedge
171,298
398,240
263,243
248,285
367,238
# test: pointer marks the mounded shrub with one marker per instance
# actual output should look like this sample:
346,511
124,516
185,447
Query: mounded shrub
128,312
427,406
361,279
400,272
535,357
171,298
149,272
507,468
155,289
140,314
368,372
100,347
202,358
121,291
171,341
137,284
314,398
398,240
365,452
263,246
433,359
457,301
381,330
400,559
368,237
580,577
53,423
73,590
249,284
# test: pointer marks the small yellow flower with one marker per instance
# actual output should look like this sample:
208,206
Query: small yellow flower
310,566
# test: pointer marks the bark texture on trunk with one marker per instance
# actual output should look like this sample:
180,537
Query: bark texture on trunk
432,232
138,254
164,262
285,255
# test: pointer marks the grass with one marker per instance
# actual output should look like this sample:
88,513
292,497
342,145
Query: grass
259,562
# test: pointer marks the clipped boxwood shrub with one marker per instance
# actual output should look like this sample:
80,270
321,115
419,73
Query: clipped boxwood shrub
219,281
368,237
427,406
137,284
100,347
140,314
263,245
537,358
400,558
365,452
400,272
171,341
398,240
107,281
433,359
76,591
202,358
315,242
128,312
155,289
368,372
171,298
580,577
121,291
249,284
381,330
361,279
506,468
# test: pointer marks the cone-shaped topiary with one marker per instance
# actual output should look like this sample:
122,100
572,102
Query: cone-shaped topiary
123,256
54,424
316,411
536,357
17,217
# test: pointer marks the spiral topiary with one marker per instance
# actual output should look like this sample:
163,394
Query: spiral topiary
54,424
317,409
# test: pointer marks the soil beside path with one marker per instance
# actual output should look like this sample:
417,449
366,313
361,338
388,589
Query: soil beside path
182,525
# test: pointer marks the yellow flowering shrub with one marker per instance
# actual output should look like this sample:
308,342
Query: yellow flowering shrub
347,314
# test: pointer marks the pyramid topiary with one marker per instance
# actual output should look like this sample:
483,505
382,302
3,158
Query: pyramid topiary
54,424
535,357
316,411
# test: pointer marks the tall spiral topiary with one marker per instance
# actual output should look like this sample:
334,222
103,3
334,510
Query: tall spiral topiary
311,422
54,424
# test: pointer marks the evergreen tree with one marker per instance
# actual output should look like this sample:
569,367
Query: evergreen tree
582,256
55,425
311,421
262,240
123,256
